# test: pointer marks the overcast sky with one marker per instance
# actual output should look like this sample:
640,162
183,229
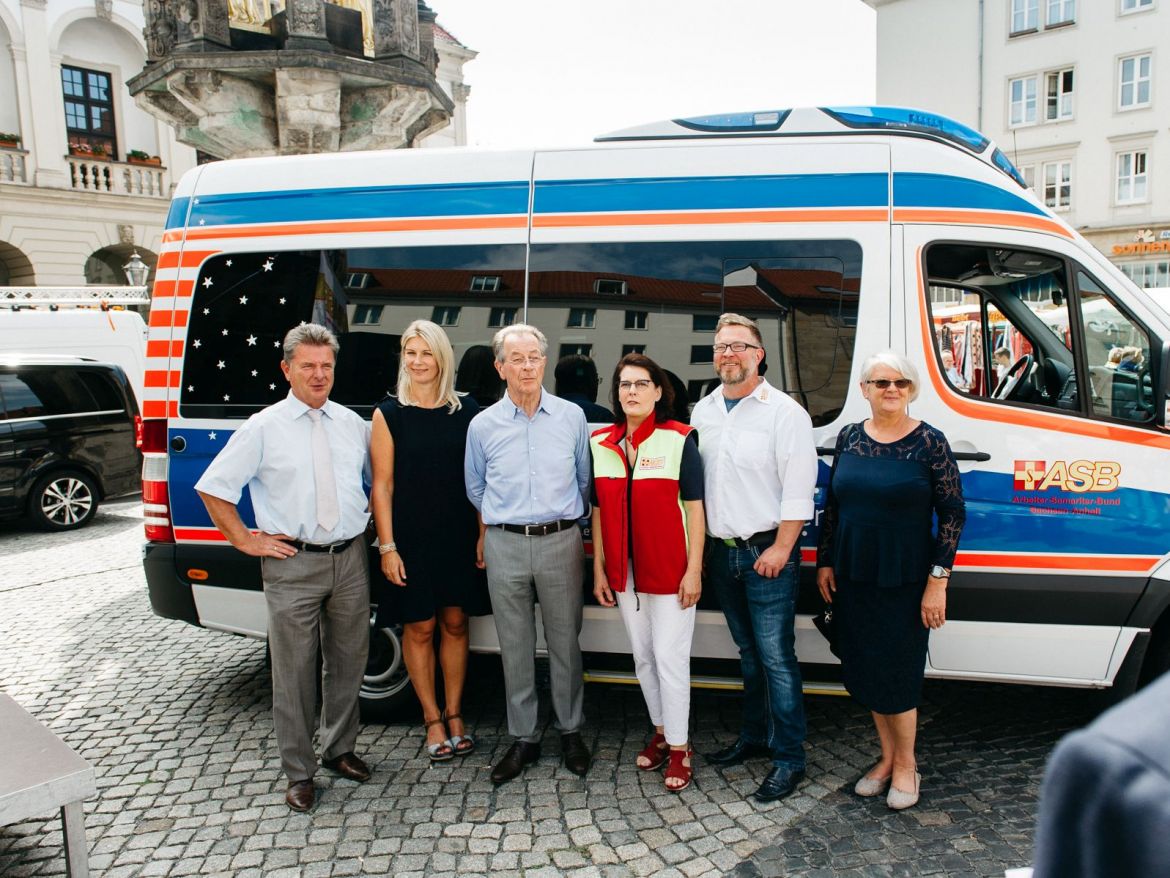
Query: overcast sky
559,72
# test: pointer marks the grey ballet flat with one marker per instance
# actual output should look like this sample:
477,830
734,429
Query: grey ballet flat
868,786
898,800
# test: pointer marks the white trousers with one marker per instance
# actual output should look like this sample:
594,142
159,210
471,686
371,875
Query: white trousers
660,634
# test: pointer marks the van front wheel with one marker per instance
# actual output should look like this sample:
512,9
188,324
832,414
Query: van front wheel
63,501
386,691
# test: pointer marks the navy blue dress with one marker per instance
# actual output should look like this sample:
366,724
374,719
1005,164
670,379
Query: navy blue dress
435,526
878,535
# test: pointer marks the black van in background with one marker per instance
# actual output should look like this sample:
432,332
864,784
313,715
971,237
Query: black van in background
68,438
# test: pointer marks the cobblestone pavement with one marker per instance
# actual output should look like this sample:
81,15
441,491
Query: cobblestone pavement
176,721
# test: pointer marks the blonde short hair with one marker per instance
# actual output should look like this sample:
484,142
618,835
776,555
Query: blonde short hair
434,338
892,360
732,319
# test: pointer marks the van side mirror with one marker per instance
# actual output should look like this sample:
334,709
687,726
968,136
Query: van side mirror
1162,390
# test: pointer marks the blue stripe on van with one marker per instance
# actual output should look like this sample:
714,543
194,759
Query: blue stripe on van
366,202
711,193
943,190
177,215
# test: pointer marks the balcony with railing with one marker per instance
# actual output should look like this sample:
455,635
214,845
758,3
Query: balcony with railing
13,167
90,174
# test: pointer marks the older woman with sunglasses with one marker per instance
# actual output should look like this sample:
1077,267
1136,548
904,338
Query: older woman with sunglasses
883,568
648,534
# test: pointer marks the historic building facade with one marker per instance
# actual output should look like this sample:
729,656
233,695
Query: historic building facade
1075,92
85,174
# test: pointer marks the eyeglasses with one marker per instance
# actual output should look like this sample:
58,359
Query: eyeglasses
736,346
639,385
521,362
884,383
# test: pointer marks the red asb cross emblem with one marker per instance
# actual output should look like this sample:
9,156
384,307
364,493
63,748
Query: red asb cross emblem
1028,474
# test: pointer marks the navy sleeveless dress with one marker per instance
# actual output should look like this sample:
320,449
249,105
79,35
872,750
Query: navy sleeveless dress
879,537
435,526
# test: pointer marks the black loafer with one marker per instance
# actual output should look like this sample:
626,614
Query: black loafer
576,754
779,783
737,753
519,756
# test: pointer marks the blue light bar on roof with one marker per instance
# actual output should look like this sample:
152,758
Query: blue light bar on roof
768,120
879,118
1002,162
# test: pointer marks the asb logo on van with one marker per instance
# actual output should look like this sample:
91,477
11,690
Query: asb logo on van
1079,476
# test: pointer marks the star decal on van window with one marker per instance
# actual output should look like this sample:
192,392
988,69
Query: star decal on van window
206,311
251,341
267,266
207,282
282,300
227,397
243,300
221,365
190,388
228,263
197,344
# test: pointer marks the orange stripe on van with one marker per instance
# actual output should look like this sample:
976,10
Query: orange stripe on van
184,288
1111,563
420,224
154,408
198,534
1006,414
160,378
163,288
708,217
177,258
980,218
160,317
164,348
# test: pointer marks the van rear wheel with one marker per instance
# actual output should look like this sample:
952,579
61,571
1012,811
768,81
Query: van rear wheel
63,500
386,692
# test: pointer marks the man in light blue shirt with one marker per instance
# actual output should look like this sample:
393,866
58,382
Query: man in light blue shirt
303,460
527,469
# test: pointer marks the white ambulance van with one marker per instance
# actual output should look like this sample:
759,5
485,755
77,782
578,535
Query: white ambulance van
843,231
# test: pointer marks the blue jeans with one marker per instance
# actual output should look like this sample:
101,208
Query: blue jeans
761,614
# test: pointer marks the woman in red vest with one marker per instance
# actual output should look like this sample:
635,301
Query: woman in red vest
648,533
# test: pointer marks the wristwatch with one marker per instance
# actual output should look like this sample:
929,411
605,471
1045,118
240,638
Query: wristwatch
939,572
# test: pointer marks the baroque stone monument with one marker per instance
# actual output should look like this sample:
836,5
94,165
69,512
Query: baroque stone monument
242,78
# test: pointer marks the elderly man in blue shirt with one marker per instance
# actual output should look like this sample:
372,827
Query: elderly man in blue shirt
527,470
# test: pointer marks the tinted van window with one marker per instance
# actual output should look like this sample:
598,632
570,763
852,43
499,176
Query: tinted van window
38,393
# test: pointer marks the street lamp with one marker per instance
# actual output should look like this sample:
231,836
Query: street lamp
136,270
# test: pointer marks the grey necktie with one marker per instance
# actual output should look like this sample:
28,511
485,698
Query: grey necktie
328,513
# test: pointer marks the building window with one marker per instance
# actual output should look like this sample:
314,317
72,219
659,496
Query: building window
357,280
1148,274
1135,5
446,315
605,286
704,322
1059,95
582,318
702,353
1058,185
89,110
575,350
633,349
636,319
367,315
485,283
1028,172
1025,15
1131,177
1023,100
498,318
1060,12
1134,79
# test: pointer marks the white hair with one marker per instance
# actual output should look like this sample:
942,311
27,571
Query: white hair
515,329
892,360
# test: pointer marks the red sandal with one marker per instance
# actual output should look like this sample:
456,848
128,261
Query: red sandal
655,754
679,769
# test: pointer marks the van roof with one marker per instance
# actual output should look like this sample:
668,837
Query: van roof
804,121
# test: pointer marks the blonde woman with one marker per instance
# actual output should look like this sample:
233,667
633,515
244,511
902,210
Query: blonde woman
428,535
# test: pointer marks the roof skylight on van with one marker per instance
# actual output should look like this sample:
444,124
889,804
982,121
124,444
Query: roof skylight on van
767,120
898,118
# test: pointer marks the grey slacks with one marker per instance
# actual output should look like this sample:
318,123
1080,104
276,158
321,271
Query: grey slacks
554,563
316,600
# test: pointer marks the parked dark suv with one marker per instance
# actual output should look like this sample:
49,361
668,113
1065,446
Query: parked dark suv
67,438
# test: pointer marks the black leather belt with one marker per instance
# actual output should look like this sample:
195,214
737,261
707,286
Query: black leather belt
538,530
764,537
327,548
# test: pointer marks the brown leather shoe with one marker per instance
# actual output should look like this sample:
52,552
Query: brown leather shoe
300,795
576,755
348,765
519,756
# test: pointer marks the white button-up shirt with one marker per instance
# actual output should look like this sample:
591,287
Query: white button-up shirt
272,455
759,461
